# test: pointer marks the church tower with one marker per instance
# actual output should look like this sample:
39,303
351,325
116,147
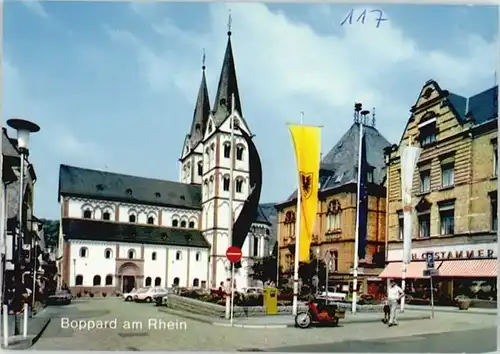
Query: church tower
191,161
216,171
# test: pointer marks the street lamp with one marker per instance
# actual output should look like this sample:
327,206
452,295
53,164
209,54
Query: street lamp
24,128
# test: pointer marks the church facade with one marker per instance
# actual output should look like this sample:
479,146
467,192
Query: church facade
118,231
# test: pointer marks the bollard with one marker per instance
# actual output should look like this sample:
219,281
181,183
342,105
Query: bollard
5,322
25,323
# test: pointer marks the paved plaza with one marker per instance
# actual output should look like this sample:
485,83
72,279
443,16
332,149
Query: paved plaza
117,326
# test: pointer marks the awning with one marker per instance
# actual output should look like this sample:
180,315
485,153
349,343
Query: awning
414,270
477,268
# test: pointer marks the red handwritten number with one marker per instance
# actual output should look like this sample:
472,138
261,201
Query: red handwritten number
362,17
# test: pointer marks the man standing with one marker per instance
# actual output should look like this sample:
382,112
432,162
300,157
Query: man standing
394,296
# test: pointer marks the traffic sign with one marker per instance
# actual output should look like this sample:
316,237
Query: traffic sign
233,254
429,258
430,273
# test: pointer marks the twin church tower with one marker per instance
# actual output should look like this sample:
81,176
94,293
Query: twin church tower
205,161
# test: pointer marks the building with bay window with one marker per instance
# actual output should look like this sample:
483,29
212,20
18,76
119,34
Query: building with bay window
454,191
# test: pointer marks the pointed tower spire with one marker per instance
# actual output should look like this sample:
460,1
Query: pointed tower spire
201,110
228,84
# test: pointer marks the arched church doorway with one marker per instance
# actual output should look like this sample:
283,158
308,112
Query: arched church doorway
128,273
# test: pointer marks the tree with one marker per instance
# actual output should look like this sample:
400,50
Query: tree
51,232
265,269
308,270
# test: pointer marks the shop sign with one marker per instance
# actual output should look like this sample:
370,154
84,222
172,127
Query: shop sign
456,254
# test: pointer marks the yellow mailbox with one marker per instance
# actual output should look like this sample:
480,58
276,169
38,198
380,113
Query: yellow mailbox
271,300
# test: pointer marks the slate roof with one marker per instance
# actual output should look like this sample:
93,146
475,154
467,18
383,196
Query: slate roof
96,230
264,213
201,113
481,107
103,185
339,166
9,146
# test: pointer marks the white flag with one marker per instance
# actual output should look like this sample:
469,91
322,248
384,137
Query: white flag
409,159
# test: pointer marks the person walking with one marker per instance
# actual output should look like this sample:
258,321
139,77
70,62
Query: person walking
394,296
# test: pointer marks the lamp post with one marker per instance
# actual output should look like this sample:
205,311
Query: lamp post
23,128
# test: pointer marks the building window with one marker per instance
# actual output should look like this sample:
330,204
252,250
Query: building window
239,185
196,282
227,150
226,183
268,232
183,223
191,224
84,252
178,255
153,256
200,168
79,280
108,253
369,177
109,280
198,256
106,215
425,180
494,213
157,281
447,218
131,254
176,281
495,160
97,280
131,218
290,223
211,185
447,172
428,133
175,223
87,214
400,225
255,252
151,220
205,188
424,225
239,152
148,281
333,214
335,261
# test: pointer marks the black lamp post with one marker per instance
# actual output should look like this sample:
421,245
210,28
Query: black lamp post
24,128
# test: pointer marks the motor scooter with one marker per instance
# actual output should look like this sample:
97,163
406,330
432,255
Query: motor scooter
319,312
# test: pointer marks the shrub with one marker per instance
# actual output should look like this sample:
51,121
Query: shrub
91,294
104,294
86,292
78,294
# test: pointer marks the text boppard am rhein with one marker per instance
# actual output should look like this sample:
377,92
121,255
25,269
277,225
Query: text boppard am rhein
151,324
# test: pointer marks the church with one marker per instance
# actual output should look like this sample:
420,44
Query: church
119,232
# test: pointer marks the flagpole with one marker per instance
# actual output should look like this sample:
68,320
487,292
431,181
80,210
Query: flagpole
358,214
230,298
295,303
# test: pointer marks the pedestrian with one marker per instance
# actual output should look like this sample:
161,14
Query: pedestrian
387,311
395,294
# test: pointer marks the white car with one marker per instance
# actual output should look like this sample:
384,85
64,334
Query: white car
333,295
253,291
130,296
149,294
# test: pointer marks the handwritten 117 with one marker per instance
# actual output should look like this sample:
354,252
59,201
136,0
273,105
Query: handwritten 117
362,17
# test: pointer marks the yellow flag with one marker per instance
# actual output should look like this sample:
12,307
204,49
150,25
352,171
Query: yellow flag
307,144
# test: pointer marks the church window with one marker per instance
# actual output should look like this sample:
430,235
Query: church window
196,282
153,256
227,150
131,254
84,252
198,256
200,168
148,281
212,152
191,224
239,185
106,215
207,158
132,218
226,183
151,220
183,223
239,152
108,253
178,255
109,280
87,214
175,223
97,280
157,281
210,128
79,280
205,188
211,185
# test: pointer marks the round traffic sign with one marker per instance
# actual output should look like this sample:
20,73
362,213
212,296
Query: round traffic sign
233,254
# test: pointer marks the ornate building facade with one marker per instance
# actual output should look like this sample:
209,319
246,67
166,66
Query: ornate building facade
122,231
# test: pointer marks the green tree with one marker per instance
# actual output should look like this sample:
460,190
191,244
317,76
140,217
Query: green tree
266,269
315,267
51,232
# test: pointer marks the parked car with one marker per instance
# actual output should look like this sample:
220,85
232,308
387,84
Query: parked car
130,296
253,291
333,294
62,297
150,294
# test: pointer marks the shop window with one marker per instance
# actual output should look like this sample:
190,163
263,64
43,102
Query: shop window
447,218
424,225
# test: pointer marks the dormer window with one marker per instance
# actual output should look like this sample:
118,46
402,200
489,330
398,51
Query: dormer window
369,176
157,195
427,128
128,192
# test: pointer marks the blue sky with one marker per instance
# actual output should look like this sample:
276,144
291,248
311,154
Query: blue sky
113,85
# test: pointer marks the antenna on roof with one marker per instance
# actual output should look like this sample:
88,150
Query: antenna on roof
357,108
364,115
373,117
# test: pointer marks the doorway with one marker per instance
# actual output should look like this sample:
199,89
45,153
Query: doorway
128,283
